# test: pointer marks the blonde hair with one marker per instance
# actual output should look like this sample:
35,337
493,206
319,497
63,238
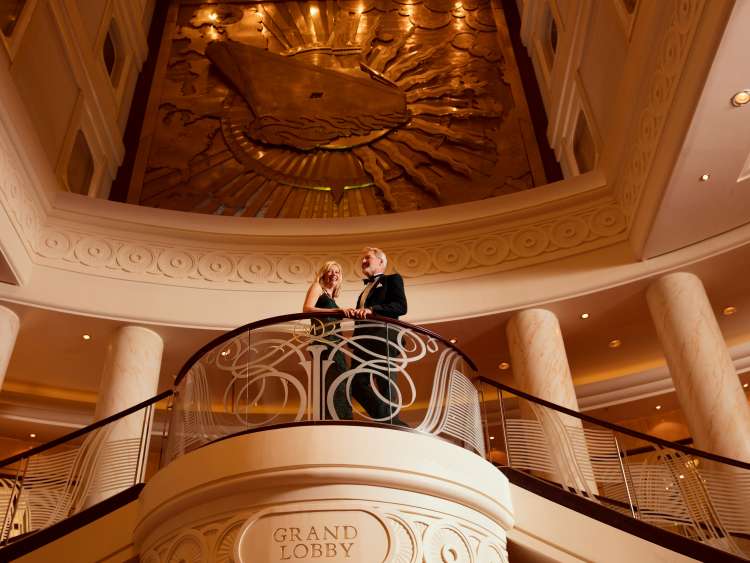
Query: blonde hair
322,271
379,254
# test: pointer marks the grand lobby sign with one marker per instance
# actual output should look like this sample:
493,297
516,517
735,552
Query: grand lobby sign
326,535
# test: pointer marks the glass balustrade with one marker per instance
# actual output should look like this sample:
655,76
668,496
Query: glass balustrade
696,494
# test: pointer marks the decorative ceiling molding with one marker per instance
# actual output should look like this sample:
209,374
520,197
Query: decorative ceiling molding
641,385
661,87
459,251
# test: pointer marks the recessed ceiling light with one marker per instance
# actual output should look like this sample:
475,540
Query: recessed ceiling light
86,337
682,476
705,177
741,98
32,435
746,385
503,365
492,437
452,341
616,343
225,352
729,311
658,407
584,315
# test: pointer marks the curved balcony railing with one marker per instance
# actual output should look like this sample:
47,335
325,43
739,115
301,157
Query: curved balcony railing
323,367
51,482
696,494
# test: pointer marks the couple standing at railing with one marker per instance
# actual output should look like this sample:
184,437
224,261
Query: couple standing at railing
373,384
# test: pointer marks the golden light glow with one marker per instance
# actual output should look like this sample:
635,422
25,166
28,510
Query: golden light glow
452,341
741,98
584,315
503,365
492,437
86,337
212,33
360,9
213,16
616,343
313,10
727,311
705,177
745,385
32,435
658,407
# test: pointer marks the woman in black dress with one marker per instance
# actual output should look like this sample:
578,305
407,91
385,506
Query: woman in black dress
321,298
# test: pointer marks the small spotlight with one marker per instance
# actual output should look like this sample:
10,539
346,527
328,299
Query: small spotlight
658,407
727,311
741,98
584,315
746,385
682,476
452,341
32,435
86,337
313,10
492,437
503,365
705,177
225,352
616,343
213,16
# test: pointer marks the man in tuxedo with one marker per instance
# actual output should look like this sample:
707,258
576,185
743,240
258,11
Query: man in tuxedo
373,343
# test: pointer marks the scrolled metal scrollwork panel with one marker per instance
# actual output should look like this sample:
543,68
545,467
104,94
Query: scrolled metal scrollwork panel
326,370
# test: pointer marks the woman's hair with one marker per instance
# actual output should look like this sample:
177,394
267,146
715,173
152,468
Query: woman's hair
321,272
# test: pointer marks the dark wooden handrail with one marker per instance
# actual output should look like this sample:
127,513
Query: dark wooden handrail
86,429
303,316
616,427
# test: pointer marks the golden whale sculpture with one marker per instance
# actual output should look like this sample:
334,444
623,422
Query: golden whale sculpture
304,106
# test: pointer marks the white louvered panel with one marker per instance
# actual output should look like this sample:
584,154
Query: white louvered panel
730,492
116,466
527,446
659,498
604,455
463,418
49,487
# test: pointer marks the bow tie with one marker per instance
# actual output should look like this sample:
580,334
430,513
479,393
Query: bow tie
370,279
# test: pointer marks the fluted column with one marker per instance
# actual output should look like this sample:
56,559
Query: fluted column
705,380
8,332
540,368
130,376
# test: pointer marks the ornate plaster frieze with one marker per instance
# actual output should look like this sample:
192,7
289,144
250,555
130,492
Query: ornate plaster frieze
456,250
412,534
662,87
19,200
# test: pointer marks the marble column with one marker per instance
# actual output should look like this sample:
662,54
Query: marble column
707,386
540,368
130,376
9,324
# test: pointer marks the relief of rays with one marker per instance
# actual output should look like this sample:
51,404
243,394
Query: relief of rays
427,50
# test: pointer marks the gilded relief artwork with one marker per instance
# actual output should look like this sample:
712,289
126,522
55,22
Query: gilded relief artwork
334,109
